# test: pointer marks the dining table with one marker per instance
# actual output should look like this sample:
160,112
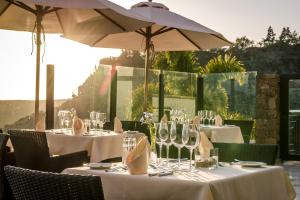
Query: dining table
100,145
229,182
224,133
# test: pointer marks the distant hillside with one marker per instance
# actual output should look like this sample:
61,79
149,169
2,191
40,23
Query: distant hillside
13,110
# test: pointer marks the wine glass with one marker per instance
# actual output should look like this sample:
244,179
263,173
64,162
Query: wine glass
93,117
164,135
102,120
158,141
205,116
61,116
67,119
191,139
200,115
176,140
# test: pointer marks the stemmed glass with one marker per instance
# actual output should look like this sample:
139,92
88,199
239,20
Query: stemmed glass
205,116
67,119
93,117
190,138
102,120
164,135
212,117
200,115
176,140
61,117
158,141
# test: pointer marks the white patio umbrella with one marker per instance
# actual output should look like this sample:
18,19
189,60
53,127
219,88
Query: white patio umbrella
169,32
59,16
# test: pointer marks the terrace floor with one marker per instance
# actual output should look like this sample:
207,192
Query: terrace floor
293,168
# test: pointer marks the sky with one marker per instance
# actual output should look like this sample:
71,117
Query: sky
232,18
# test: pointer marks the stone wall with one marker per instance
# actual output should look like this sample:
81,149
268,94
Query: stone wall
267,109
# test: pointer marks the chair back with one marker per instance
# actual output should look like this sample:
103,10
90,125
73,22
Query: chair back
3,141
30,184
247,152
245,125
31,148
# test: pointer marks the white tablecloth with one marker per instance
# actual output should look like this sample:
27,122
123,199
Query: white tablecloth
224,134
100,147
223,183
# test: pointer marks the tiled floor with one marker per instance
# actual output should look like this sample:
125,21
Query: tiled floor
293,168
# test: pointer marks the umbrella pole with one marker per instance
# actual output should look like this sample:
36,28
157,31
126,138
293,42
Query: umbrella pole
38,58
147,65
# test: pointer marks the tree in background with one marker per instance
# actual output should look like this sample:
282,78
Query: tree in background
243,43
270,38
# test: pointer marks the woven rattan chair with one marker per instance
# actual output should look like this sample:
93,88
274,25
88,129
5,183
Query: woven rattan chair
245,125
5,192
30,184
247,152
32,152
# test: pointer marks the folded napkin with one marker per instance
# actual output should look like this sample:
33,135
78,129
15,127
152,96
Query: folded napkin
118,126
218,120
40,125
205,146
164,119
78,126
137,160
196,120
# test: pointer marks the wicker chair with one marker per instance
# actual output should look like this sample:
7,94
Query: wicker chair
30,184
32,152
245,125
5,192
247,152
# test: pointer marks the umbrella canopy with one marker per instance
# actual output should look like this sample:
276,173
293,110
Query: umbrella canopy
57,16
169,32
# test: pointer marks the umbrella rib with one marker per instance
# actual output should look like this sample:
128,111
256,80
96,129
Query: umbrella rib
6,7
111,20
189,39
162,31
22,5
221,38
99,40
59,20
140,31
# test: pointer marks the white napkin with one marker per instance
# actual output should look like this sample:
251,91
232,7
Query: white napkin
137,160
196,120
40,125
118,126
164,119
218,120
205,146
78,126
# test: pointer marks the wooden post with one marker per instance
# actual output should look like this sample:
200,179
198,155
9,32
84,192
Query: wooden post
50,97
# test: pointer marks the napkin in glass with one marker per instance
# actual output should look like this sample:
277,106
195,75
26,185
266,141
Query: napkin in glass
78,126
218,120
137,160
205,146
118,125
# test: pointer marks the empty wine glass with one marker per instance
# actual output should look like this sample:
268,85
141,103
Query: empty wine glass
67,119
191,139
200,115
164,135
158,141
93,117
102,120
212,117
61,116
176,140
